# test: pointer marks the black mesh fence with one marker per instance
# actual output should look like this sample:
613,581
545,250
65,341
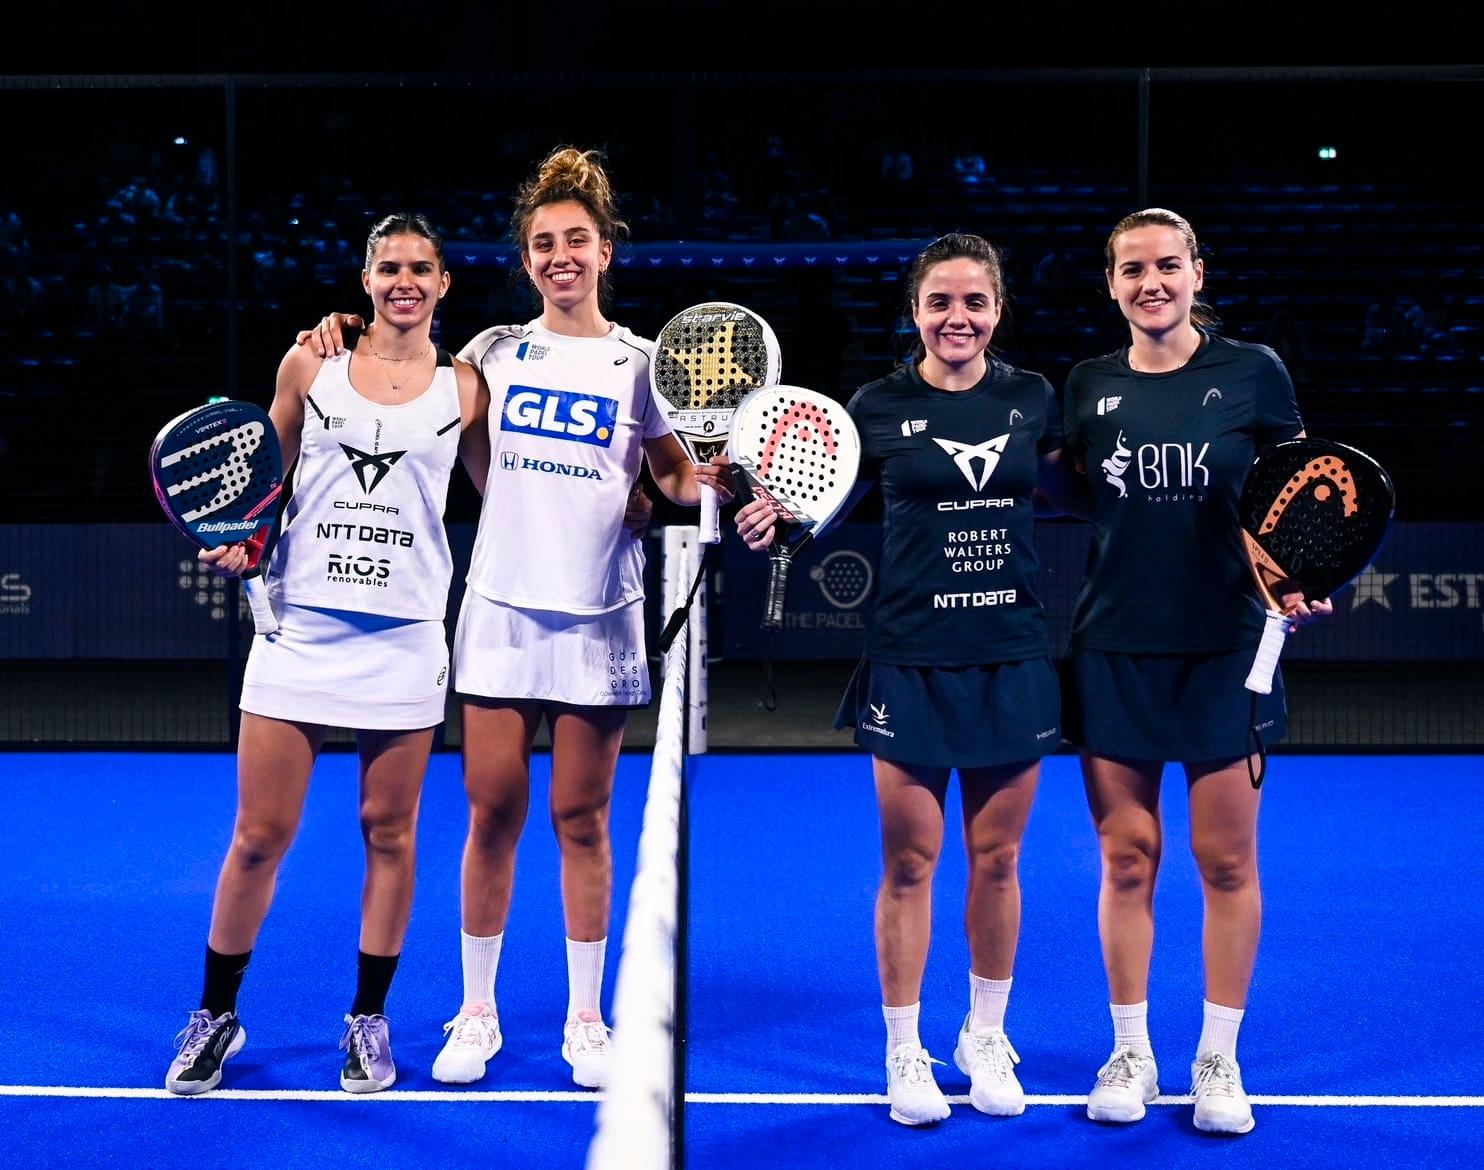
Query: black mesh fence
162,243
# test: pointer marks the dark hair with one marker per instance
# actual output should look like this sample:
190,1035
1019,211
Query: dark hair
953,246
568,173
404,223
1200,312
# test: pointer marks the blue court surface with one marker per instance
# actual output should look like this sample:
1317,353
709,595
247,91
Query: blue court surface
1363,1044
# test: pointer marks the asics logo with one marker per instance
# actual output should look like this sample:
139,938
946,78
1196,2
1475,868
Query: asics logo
965,454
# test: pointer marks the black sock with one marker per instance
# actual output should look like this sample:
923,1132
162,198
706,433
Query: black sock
373,980
223,980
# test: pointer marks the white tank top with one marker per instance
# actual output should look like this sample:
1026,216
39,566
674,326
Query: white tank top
364,528
568,418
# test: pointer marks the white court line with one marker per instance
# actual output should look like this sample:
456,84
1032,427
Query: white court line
1035,1099
299,1094
567,1097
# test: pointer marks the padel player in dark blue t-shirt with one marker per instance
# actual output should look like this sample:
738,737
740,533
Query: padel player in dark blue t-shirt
956,673
1165,631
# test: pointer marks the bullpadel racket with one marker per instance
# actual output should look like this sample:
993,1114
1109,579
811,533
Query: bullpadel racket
800,451
707,358
1313,514
218,473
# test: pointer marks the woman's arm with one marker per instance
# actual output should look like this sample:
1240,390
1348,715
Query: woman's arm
474,439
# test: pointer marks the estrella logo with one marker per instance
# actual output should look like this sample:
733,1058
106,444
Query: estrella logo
560,414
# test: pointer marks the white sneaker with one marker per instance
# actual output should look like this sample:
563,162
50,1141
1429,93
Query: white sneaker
586,1047
1127,1083
1221,1104
915,1096
473,1039
989,1061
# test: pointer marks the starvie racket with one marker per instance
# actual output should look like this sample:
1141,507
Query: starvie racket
218,473
800,451
1313,514
707,358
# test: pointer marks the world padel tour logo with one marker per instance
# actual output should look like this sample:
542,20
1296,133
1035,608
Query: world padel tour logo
560,414
371,469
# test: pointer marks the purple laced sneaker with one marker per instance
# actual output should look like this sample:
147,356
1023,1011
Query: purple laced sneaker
368,1055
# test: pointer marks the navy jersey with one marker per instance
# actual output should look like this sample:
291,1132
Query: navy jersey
956,468
1166,456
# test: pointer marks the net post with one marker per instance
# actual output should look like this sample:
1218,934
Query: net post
697,706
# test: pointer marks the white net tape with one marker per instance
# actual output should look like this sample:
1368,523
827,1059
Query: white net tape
634,1120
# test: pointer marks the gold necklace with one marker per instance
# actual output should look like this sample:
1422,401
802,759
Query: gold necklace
382,361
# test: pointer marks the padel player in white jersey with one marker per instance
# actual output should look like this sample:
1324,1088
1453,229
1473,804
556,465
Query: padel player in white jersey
1164,633
552,625
359,582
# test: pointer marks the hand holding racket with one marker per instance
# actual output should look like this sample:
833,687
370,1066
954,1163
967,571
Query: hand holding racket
799,452
218,473
707,358
1313,514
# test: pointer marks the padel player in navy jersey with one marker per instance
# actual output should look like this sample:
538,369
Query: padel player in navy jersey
956,673
1165,630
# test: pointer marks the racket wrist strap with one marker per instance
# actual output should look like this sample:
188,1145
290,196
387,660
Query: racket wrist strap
677,619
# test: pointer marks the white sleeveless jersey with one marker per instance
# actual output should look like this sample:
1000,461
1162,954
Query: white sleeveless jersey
364,527
568,418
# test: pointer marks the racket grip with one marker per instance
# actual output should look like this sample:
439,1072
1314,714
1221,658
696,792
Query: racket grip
710,515
1274,632
263,621
780,560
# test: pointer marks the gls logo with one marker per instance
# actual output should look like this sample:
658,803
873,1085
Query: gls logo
559,414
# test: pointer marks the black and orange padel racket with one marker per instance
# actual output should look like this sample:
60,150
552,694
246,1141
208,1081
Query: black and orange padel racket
1313,514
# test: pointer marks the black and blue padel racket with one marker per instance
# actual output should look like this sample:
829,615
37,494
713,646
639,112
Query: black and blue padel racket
218,474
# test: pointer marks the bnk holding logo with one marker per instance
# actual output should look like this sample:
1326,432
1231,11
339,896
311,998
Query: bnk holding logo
558,414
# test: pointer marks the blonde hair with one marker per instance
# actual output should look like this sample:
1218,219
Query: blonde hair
1200,312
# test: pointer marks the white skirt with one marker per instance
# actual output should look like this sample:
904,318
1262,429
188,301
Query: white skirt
340,668
584,660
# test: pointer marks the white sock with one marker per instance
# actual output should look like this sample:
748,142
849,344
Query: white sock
585,976
987,1001
1219,1030
901,1026
481,958
1131,1026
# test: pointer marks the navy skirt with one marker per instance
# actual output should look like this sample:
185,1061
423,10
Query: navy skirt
1182,707
954,717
